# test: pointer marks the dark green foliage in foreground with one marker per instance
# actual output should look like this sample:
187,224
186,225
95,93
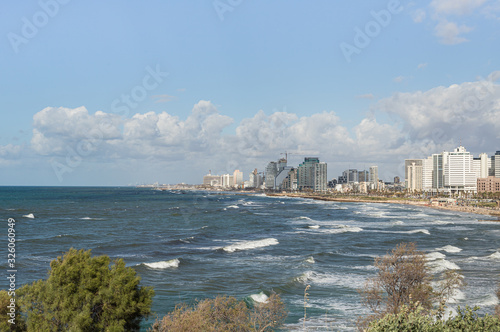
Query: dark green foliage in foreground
416,320
5,302
84,293
224,314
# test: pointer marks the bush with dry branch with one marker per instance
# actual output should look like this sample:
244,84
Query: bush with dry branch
224,314
403,278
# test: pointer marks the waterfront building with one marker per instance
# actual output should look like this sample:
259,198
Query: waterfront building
270,175
458,171
312,175
491,184
427,168
363,176
237,178
280,178
290,181
414,174
410,162
212,180
497,164
374,177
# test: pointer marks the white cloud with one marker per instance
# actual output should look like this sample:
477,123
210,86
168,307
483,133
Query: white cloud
469,111
449,33
422,65
419,15
423,122
456,7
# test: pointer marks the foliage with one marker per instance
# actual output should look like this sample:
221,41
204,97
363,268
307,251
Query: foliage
84,293
19,325
415,319
403,279
224,314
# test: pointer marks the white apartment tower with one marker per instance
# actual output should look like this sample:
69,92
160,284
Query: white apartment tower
459,173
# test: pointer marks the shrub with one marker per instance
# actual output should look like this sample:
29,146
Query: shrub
403,279
224,314
84,293
414,319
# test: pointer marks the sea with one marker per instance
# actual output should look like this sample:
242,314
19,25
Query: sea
192,245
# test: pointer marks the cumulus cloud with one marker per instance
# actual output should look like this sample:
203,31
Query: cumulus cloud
469,111
449,33
421,123
447,14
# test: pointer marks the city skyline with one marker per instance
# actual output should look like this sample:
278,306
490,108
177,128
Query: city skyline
124,93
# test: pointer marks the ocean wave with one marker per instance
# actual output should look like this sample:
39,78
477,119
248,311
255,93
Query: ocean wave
450,249
163,264
488,301
30,216
441,265
246,245
260,298
442,222
86,218
398,222
342,229
495,255
434,256
233,207
313,226
310,260
353,281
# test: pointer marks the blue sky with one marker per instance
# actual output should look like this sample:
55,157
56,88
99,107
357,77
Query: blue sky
117,93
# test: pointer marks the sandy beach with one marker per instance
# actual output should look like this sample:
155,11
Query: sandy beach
495,213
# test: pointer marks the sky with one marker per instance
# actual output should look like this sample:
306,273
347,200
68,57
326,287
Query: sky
128,92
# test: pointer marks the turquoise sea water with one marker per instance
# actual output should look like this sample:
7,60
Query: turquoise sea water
194,245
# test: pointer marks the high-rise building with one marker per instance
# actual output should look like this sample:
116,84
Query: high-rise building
270,176
497,164
409,162
374,177
459,173
320,176
437,171
363,176
414,173
312,175
237,178
427,167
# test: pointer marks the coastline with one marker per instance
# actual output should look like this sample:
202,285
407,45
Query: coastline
495,213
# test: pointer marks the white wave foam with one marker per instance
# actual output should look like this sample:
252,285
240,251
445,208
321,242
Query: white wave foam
442,222
233,207
310,260
30,216
342,229
495,255
441,265
434,256
450,249
246,245
456,297
488,301
314,226
86,218
304,218
398,222
261,297
423,230
164,264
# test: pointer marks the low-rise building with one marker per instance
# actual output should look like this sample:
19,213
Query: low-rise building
491,184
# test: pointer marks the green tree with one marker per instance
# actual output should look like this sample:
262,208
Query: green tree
84,293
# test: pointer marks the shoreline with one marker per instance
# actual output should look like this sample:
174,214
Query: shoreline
467,209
